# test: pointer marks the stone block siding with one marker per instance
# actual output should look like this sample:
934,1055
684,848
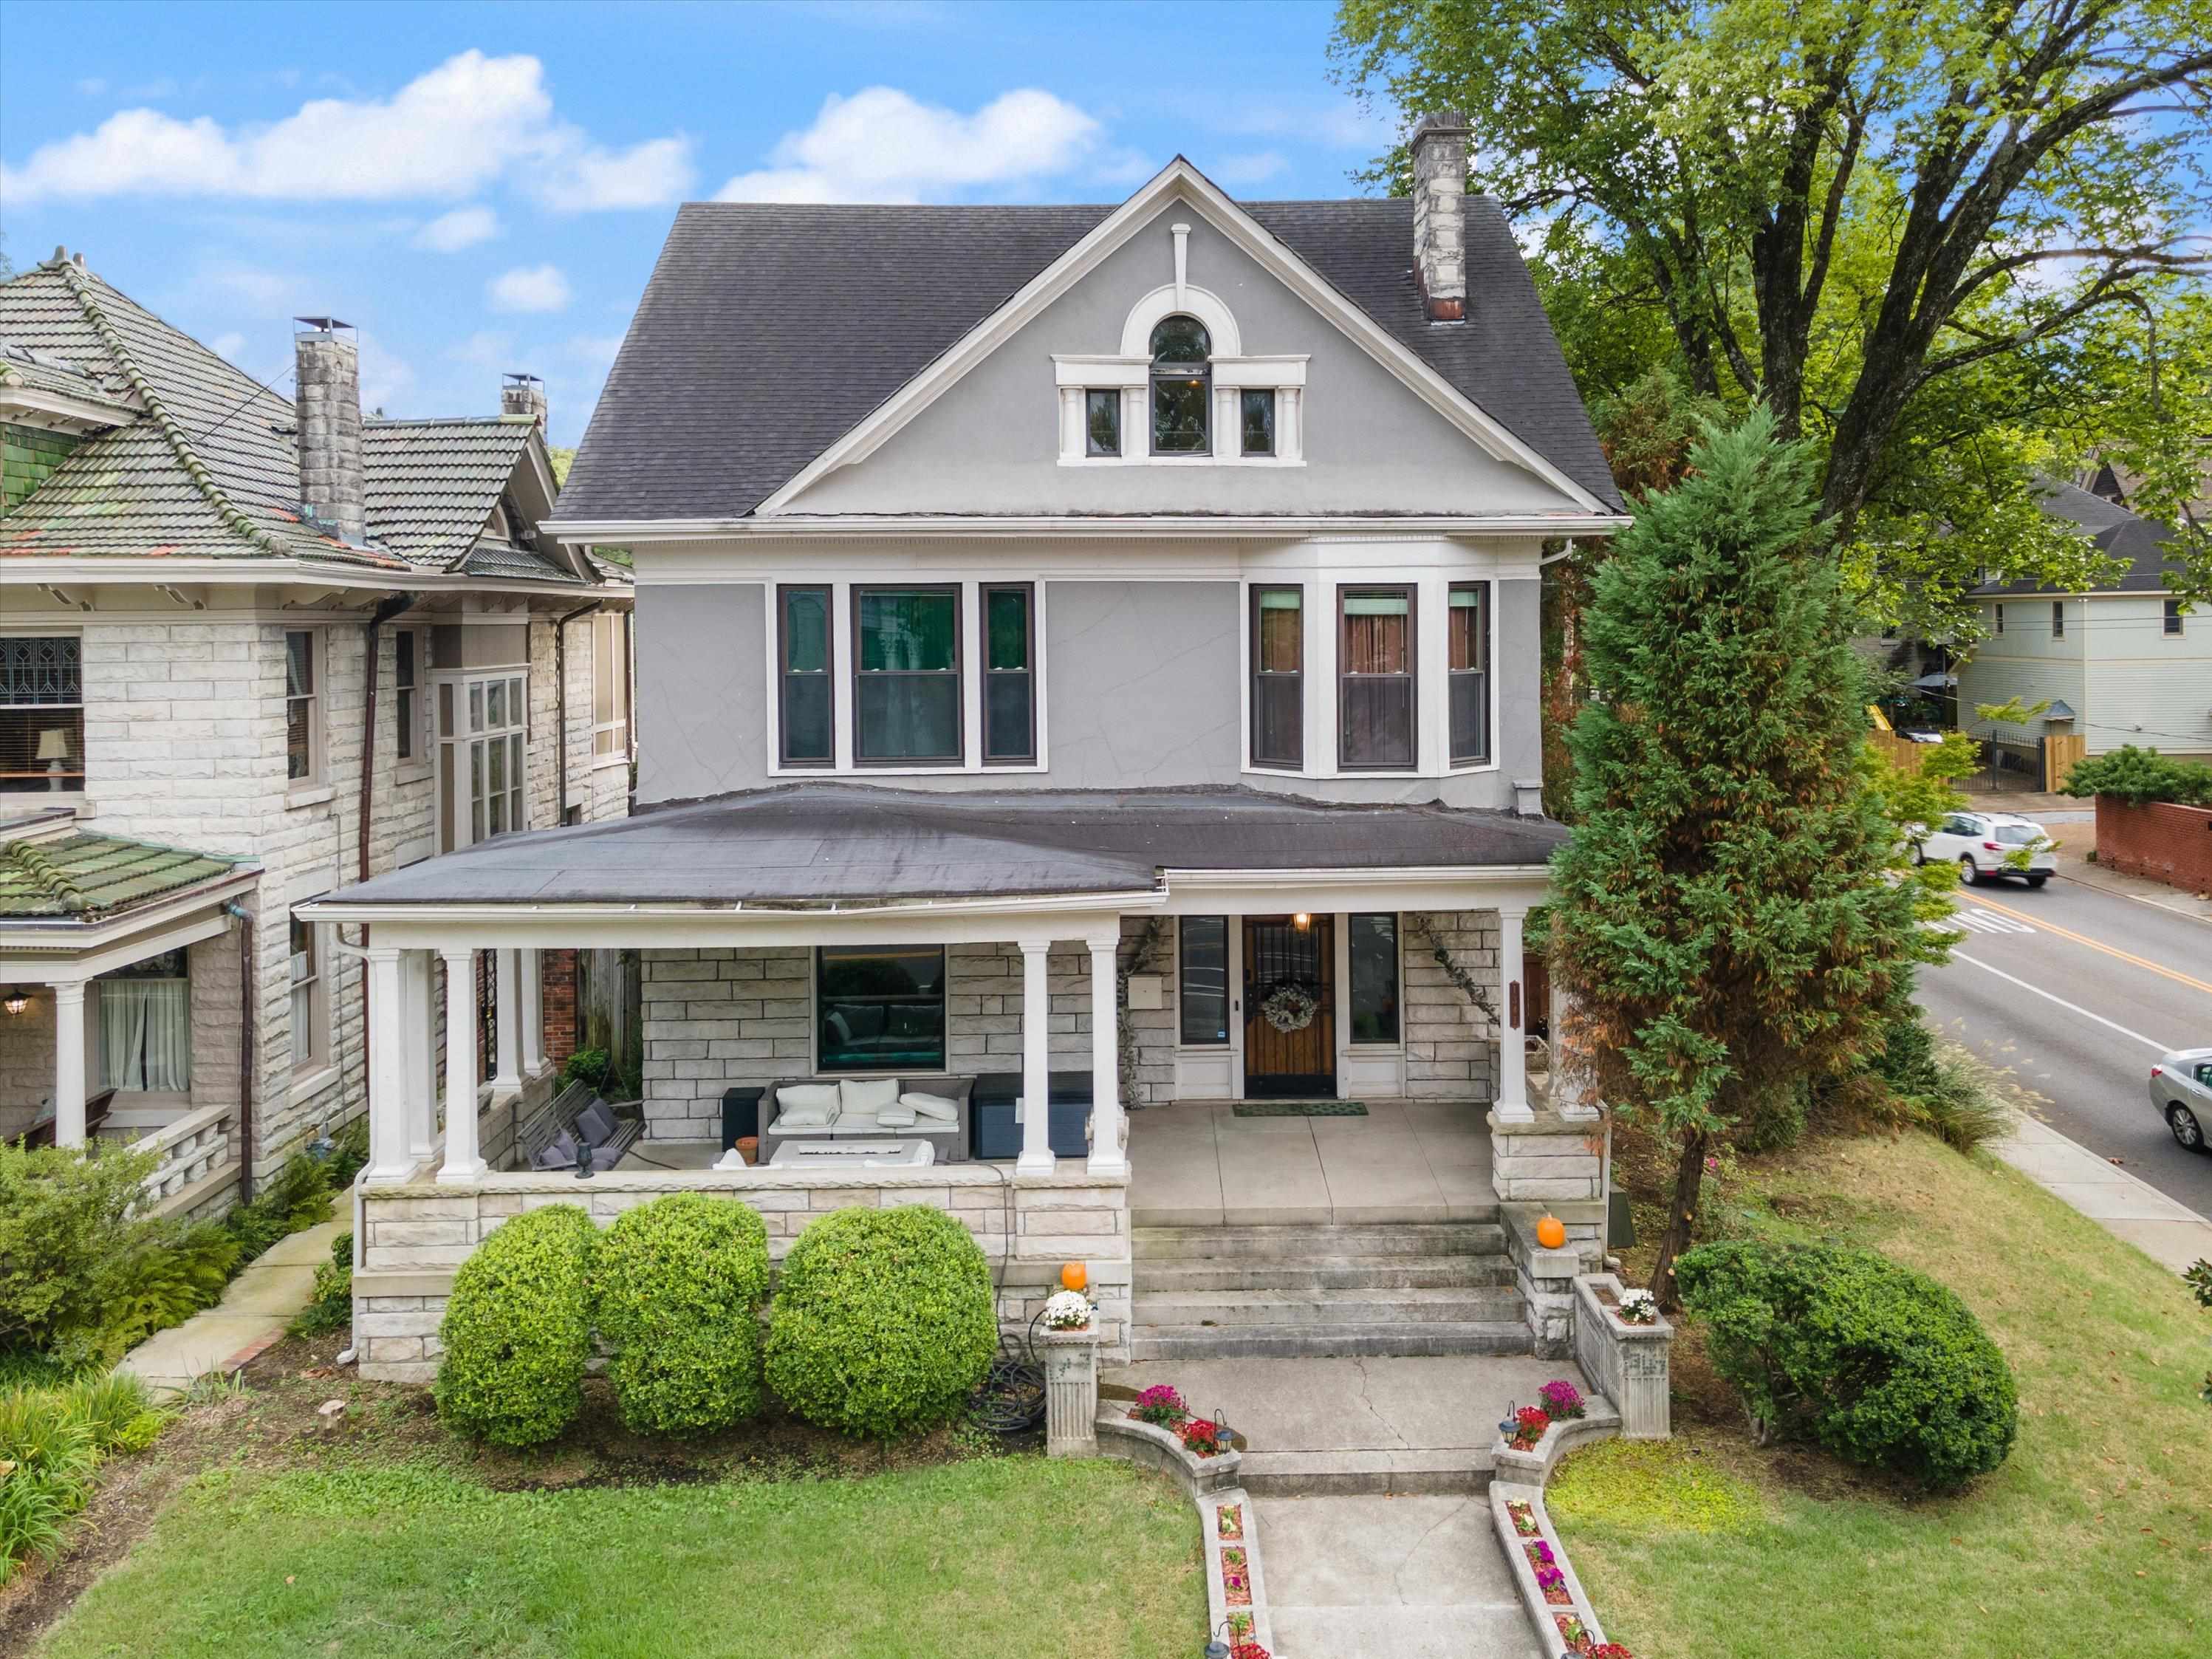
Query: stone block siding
416,1236
26,1062
2159,840
1553,1160
27,454
202,1144
1451,1046
716,1017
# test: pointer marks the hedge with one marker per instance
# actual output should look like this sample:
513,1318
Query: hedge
883,1322
517,1330
677,1288
1878,1364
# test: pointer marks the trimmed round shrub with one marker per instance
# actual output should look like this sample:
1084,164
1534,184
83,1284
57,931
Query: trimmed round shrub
1878,1364
678,1287
883,1322
519,1329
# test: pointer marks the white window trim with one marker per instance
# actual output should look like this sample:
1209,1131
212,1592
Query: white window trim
464,820
971,679
1073,375
623,689
319,1057
316,788
1432,669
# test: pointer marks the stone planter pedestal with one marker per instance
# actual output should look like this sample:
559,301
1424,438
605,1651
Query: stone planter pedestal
1071,1392
1627,1364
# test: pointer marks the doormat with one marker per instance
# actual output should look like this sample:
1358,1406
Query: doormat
1301,1109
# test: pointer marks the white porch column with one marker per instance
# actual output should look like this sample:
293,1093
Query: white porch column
1512,1102
462,1163
388,1069
419,1034
506,989
531,985
1036,1060
69,1062
1107,1156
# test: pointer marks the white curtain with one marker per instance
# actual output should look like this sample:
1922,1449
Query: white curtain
146,1035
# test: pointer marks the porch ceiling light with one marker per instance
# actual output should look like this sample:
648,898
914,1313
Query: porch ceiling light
16,1001
1301,922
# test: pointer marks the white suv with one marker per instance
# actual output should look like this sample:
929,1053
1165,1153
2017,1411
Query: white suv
1990,845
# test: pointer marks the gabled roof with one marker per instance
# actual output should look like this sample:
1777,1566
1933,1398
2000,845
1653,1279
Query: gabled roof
432,485
2114,530
78,876
768,332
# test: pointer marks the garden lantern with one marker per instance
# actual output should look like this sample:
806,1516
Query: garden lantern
1509,1424
583,1161
16,1002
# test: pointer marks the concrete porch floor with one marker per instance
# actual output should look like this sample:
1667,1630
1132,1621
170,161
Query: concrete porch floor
1196,1164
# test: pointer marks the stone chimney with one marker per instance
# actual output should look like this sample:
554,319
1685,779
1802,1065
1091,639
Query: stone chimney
327,398
1439,147
523,394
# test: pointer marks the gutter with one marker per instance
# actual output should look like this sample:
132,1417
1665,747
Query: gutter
1181,525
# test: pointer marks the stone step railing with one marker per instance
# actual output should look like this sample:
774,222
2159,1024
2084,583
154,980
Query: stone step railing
198,1163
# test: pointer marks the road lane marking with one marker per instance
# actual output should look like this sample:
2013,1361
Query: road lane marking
2072,1007
2109,950
1986,921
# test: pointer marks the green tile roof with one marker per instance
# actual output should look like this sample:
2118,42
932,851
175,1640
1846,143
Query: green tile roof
88,878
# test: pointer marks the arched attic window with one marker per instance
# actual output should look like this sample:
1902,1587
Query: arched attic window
1183,387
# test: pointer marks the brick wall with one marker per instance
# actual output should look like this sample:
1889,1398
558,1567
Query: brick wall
556,976
2163,842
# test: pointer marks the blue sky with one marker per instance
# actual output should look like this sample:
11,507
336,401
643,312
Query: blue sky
484,187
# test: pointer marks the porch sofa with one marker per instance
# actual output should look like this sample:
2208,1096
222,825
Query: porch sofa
850,1113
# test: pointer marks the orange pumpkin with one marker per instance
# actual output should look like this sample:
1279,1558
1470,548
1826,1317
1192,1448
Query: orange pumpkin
1073,1275
1551,1232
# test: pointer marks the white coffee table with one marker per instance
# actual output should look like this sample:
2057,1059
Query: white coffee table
854,1155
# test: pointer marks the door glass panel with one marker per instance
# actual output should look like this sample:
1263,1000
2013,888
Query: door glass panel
1373,950
1203,979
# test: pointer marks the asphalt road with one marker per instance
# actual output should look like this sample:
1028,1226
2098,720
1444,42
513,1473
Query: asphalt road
2074,991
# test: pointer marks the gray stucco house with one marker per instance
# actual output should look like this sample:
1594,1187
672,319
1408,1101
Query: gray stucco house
1086,654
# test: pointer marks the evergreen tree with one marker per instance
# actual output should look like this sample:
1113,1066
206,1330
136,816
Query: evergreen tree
1725,915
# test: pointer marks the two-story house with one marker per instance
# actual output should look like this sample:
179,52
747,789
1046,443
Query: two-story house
1087,655
251,646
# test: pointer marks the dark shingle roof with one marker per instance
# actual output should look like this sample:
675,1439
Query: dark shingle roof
432,485
839,843
86,877
769,331
2116,532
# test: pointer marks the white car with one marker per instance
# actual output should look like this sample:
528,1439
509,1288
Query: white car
1987,846
2181,1089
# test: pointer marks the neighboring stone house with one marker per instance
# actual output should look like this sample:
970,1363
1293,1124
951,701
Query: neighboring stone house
2126,662
194,572
1089,655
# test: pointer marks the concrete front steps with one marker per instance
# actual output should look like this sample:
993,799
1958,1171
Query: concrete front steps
1347,1291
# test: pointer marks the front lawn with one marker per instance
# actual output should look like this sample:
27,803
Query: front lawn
2095,1537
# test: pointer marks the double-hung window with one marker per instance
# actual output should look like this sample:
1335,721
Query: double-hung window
1009,675
2173,622
406,679
1279,677
2000,619
1468,637
310,1001
1375,679
611,686
906,674
41,714
803,653
1183,387
2058,619
303,745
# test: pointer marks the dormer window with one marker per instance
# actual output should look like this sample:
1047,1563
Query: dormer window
1183,387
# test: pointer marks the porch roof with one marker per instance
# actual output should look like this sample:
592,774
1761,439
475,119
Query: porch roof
838,843
83,877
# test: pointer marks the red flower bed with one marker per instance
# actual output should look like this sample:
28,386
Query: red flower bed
1531,1421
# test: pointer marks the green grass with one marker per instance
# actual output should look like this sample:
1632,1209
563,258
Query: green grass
2095,1537
960,1561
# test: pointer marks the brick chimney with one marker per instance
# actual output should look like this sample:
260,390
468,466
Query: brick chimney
327,398
523,394
1439,147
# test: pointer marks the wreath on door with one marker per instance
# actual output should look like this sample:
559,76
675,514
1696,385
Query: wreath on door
1289,1007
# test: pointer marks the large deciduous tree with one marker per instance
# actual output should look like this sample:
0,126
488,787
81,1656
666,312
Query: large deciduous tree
1727,915
1950,241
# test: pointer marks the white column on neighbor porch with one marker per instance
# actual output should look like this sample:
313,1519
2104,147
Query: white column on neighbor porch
530,983
507,990
462,1163
1107,1156
419,1034
69,1062
1037,1058
389,1158
1512,1102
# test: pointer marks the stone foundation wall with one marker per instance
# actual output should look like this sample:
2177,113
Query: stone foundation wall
413,1236
1546,1278
1553,1160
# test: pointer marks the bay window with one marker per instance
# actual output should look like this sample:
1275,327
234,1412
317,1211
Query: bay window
1279,677
483,734
1009,675
1375,678
41,714
906,674
803,682
1468,639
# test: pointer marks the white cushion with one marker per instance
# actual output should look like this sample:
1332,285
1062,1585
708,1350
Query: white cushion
806,1105
868,1094
935,1108
895,1117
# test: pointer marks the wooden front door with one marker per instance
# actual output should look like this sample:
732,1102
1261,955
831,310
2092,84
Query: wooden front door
1279,954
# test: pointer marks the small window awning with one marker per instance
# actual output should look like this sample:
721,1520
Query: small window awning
64,892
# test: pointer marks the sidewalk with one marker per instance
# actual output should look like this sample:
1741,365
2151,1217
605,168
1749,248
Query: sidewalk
2075,868
252,1314
2123,1205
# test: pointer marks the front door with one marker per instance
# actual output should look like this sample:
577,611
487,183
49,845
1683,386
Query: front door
1289,1007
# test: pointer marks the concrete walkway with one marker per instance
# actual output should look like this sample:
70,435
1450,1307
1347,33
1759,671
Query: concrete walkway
252,1314
2164,1228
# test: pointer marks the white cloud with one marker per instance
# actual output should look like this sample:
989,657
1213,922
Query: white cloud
386,379
450,132
1246,169
529,288
1343,123
228,345
486,348
881,145
449,233
593,350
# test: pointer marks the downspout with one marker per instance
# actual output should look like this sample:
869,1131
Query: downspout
247,980
561,706
390,606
